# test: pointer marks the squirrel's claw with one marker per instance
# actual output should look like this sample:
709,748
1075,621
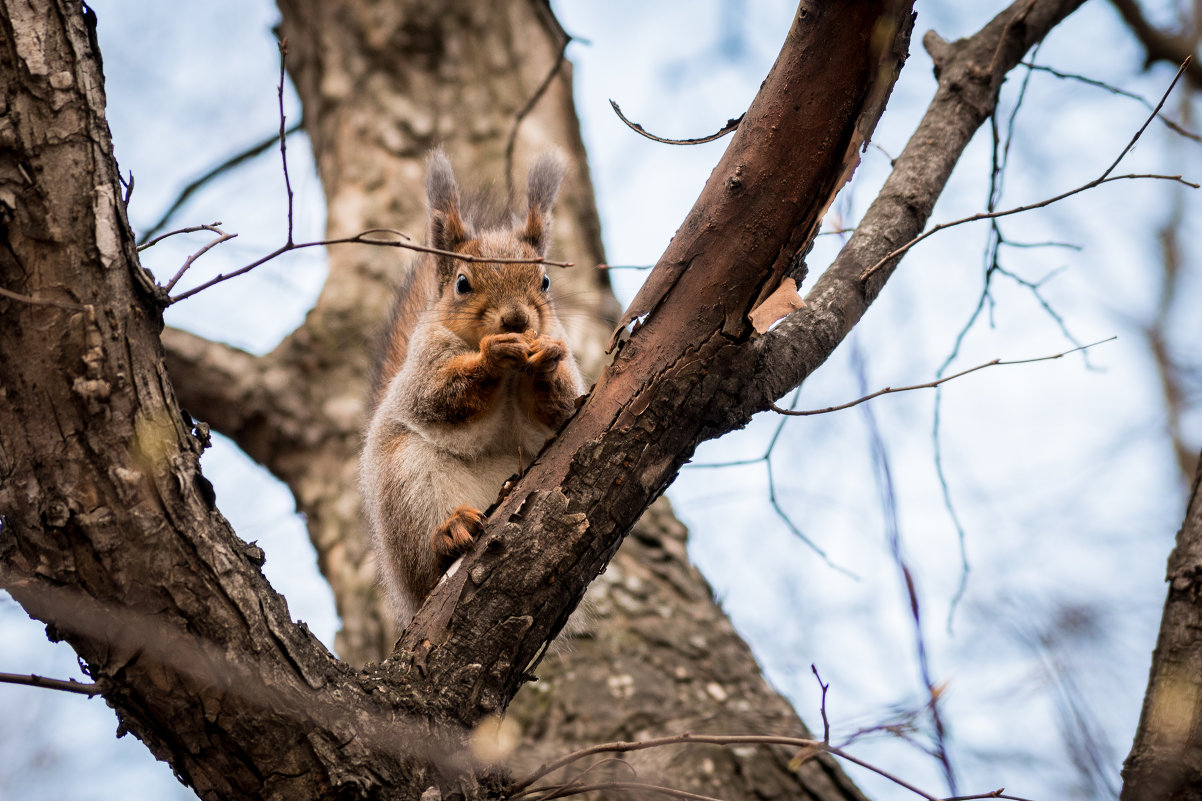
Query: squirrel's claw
546,354
456,534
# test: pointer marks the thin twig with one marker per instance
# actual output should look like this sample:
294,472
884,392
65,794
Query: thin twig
70,685
998,793
283,45
1105,177
1156,111
826,724
932,384
621,747
362,239
564,790
32,301
883,475
864,276
1069,76
1010,243
531,102
706,739
222,236
198,183
774,502
189,230
731,125
578,779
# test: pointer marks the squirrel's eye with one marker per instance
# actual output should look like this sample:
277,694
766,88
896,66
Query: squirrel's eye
546,282
462,285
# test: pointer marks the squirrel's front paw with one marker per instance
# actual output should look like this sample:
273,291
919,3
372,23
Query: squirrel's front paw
505,350
546,354
456,535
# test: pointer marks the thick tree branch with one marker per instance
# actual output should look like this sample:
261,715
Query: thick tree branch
670,384
691,369
255,400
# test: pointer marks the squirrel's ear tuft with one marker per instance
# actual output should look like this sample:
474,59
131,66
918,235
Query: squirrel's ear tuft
448,229
542,185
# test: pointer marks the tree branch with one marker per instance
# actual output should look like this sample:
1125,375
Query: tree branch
70,685
1158,45
970,71
669,384
931,384
1164,761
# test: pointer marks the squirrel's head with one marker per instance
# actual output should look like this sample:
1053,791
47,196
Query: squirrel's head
483,297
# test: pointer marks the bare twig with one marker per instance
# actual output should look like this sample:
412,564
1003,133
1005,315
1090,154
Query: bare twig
222,236
1070,76
560,790
32,301
129,188
189,230
883,475
532,102
362,239
235,160
932,384
564,790
998,793
826,724
1105,177
864,276
283,45
524,787
730,126
70,685
198,183
1010,243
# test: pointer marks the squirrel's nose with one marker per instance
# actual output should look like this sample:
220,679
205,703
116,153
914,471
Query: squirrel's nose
515,319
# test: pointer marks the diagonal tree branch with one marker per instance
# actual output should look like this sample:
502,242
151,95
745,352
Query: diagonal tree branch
671,384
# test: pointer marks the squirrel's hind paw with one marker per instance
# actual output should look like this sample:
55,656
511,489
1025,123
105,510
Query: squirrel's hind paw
456,534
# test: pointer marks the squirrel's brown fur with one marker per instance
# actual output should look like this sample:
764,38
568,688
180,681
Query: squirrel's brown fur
472,378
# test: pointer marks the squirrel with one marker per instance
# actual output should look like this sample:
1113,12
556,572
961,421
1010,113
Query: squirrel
472,378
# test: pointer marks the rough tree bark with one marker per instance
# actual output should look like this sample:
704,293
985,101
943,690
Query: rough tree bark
108,528
381,84
1165,762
